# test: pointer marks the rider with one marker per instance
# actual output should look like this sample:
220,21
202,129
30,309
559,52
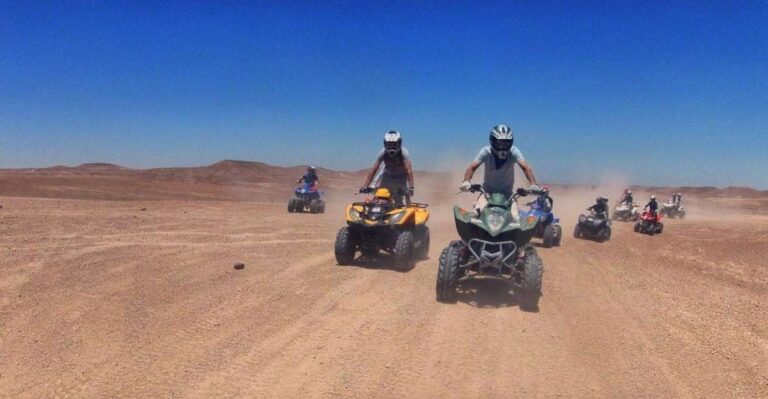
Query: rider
499,159
628,198
392,169
543,201
311,176
677,199
600,208
652,205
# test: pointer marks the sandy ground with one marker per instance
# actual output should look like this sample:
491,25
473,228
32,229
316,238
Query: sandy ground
104,299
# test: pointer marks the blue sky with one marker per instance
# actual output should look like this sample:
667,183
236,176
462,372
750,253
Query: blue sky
659,93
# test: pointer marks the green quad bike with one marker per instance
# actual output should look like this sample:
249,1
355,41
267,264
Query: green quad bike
492,244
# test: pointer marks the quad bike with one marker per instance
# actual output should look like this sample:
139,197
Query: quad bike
650,223
593,226
626,212
548,228
308,199
493,243
380,224
672,210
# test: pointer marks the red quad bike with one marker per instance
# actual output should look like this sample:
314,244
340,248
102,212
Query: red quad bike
649,224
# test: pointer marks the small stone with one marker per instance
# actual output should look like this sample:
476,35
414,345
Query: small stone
239,266
143,209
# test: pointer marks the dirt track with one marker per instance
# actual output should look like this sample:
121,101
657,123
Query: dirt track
102,299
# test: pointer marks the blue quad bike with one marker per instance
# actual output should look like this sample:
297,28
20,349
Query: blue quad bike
548,227
308,199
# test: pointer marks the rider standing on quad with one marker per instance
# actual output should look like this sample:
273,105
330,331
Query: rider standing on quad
600,208
652,206
499,159
392,169
677,199
311,176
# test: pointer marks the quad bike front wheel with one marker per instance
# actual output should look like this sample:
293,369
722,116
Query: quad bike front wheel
577,231
550,236
448,273
637,227
344,247
533,270
405,250
292,205
559,230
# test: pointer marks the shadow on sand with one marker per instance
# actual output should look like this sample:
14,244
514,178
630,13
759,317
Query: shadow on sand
486,292
381,261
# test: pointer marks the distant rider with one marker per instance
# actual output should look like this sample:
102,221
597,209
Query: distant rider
652,206
499,159
392,170
677,199
628,198
543,201
600,208
311,176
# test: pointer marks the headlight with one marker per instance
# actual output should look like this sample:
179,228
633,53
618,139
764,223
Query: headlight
582,218
396,218
495,221
354,214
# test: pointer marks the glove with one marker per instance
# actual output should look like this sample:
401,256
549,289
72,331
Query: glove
366,190
409,192
465,186
534,188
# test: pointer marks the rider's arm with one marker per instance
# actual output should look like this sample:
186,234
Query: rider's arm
409,168
471,170
528,171
300,179
372,173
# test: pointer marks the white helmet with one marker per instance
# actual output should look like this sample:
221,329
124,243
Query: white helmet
653,197
501,141
393,143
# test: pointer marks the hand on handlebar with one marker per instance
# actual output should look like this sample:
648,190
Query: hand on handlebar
366,190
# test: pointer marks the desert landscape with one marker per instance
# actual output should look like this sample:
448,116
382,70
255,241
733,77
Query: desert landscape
117,282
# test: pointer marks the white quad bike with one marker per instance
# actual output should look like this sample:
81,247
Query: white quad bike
672,210
626,212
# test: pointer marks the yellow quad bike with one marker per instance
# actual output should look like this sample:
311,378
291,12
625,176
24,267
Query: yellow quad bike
380,224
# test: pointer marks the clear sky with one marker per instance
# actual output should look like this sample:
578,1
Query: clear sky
654,92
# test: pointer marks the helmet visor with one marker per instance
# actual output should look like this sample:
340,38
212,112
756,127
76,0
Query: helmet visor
392,145
501,145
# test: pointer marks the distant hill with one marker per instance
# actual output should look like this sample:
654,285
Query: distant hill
237,180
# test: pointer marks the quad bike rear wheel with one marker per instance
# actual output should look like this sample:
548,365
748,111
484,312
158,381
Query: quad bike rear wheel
606,234
423,251
533,270
559,230
550,236
344,247
448,273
